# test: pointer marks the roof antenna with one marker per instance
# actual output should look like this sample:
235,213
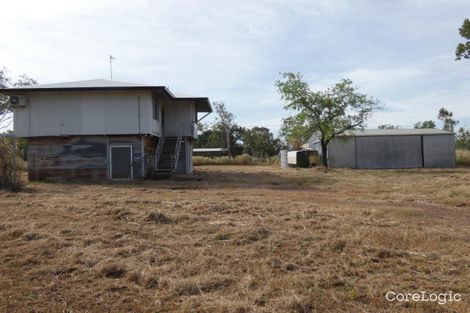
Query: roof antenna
111,58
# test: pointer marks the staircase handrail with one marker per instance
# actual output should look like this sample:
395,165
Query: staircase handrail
177,147
158,151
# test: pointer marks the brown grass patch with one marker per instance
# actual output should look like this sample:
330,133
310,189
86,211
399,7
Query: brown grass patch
238,239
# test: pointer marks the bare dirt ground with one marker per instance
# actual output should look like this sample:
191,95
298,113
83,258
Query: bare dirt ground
238,239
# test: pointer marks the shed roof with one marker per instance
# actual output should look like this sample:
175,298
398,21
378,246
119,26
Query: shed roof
204,150
314,139
396,132
202,103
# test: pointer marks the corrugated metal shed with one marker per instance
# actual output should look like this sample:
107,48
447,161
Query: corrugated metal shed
405,152
439,151
391,148
342,152
373,152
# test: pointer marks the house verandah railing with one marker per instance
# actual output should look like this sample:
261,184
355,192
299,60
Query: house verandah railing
151,160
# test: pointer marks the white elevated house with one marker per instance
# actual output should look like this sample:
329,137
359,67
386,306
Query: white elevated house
105,129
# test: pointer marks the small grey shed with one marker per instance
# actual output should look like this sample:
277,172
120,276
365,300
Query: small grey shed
391,148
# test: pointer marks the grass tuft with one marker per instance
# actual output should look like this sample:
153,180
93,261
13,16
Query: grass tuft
159,218
112,270
253,236
299,305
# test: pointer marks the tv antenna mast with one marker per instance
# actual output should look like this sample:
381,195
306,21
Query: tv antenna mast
111,58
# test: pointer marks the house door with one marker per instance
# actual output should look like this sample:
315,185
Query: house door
121,162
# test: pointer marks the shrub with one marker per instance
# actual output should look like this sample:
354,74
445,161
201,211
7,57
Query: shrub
8,177
463,157
244,159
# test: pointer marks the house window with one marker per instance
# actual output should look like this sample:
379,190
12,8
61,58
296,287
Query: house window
156,110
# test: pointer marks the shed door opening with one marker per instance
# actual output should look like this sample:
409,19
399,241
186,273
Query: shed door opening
121,162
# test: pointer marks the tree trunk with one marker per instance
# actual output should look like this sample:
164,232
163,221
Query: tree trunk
227,135
324,154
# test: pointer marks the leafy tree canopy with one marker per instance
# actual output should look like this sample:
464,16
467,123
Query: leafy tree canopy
328,113
463,48
387,126
463,139
5,82
225,122
24,80
425,124
260,142
447,118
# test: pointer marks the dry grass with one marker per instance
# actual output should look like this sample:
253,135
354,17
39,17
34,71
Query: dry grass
238,239
462,157
243,159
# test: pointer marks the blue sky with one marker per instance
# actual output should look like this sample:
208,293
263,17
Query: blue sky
401,52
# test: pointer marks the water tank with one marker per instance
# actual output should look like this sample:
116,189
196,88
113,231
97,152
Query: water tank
283,158
313,158
292,158
303,158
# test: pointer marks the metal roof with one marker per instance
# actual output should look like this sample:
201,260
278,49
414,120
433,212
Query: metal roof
396,132
93,83
202,103
182,95
314,139
210,149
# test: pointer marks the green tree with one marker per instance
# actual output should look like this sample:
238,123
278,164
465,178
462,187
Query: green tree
387,126
462,140
425,124
203,132
8,145
25,80
463,48
327,113
293,131
447,118
225,121
260,142
215,137
5,82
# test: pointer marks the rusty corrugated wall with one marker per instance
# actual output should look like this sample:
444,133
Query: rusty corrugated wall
78,157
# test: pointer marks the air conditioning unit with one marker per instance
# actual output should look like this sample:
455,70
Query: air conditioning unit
18,101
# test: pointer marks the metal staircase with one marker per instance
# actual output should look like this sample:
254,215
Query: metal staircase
167,155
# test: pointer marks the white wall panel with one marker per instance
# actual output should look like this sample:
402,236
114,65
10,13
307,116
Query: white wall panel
85,113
